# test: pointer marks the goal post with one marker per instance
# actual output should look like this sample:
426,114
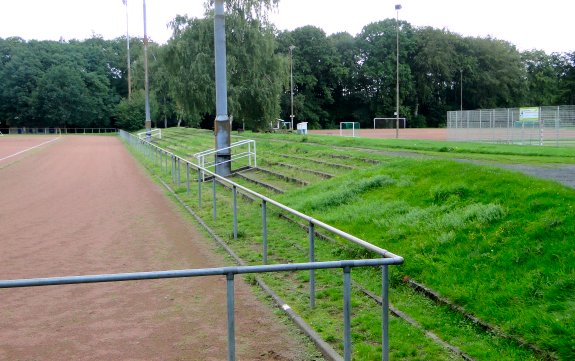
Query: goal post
349,129
389,123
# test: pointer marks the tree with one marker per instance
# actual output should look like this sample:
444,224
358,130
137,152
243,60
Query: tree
317,73
377,61
542,78
131,113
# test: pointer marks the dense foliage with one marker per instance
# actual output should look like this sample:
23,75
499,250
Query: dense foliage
336,78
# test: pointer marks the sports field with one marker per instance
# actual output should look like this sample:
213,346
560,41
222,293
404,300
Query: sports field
407,133
81,205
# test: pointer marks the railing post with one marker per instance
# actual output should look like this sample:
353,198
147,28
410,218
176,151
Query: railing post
264,232
231,321
199,187
179,173
311,259
235,193
385,313
214,196
347,313
188,177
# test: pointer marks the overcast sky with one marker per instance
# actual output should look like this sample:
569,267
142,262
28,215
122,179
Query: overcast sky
546,25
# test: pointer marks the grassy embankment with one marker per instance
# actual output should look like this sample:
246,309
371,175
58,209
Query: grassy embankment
497,243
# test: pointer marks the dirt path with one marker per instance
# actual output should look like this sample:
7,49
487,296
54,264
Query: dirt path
82,205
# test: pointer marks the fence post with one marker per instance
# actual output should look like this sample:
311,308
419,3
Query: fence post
179,173
384,313
235,193
214,192
264,232
188,177
311,259
347,313
231,321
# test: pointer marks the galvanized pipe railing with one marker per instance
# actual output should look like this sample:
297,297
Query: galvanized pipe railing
312,222
229,272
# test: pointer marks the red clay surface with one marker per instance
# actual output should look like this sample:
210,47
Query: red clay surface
81,205
409,133
14,147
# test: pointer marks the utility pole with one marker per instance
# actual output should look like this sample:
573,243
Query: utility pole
461,89
222,126
291,81
128,49
397,8
148,123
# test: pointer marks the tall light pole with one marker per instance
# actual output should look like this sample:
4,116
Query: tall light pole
291,81
397,8
222,126
461,89
148,123
128,50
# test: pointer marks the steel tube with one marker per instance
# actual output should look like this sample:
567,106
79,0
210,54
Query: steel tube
264,233
187,177
311,259
347,313
198,272
231,319
199,187
214,197
235,194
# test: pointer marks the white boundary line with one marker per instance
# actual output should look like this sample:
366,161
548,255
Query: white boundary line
25,150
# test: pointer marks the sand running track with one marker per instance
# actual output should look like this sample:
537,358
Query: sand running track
82,205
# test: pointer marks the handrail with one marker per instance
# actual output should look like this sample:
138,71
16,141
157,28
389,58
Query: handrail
153,152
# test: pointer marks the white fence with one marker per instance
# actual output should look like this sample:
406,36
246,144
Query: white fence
52,130
242,149
554,125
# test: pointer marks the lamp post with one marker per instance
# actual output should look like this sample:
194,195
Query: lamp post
222,125
461,89
397,8
291,81
148,123
128,50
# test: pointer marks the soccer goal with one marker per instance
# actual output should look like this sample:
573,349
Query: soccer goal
349,129
154,133
388,123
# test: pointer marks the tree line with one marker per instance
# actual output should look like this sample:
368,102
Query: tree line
335,78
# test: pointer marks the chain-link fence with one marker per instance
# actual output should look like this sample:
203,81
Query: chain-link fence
553,125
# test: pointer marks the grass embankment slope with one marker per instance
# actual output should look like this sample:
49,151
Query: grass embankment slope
496,242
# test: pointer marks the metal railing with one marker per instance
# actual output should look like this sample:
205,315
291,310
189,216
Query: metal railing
161,157
229,272
250,153
56,130
153,133
554,125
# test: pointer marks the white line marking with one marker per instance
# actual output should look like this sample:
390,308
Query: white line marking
25,150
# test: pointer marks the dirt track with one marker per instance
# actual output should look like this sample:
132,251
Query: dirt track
81,205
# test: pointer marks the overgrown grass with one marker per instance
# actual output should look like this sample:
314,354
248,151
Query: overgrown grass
496,242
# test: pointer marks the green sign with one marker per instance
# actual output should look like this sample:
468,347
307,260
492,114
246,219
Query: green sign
530,114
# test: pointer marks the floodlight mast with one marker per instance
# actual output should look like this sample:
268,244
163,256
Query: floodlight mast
397,8
291,48
222,126
128,51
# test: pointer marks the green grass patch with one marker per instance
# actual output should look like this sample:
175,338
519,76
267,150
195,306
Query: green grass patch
496,242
